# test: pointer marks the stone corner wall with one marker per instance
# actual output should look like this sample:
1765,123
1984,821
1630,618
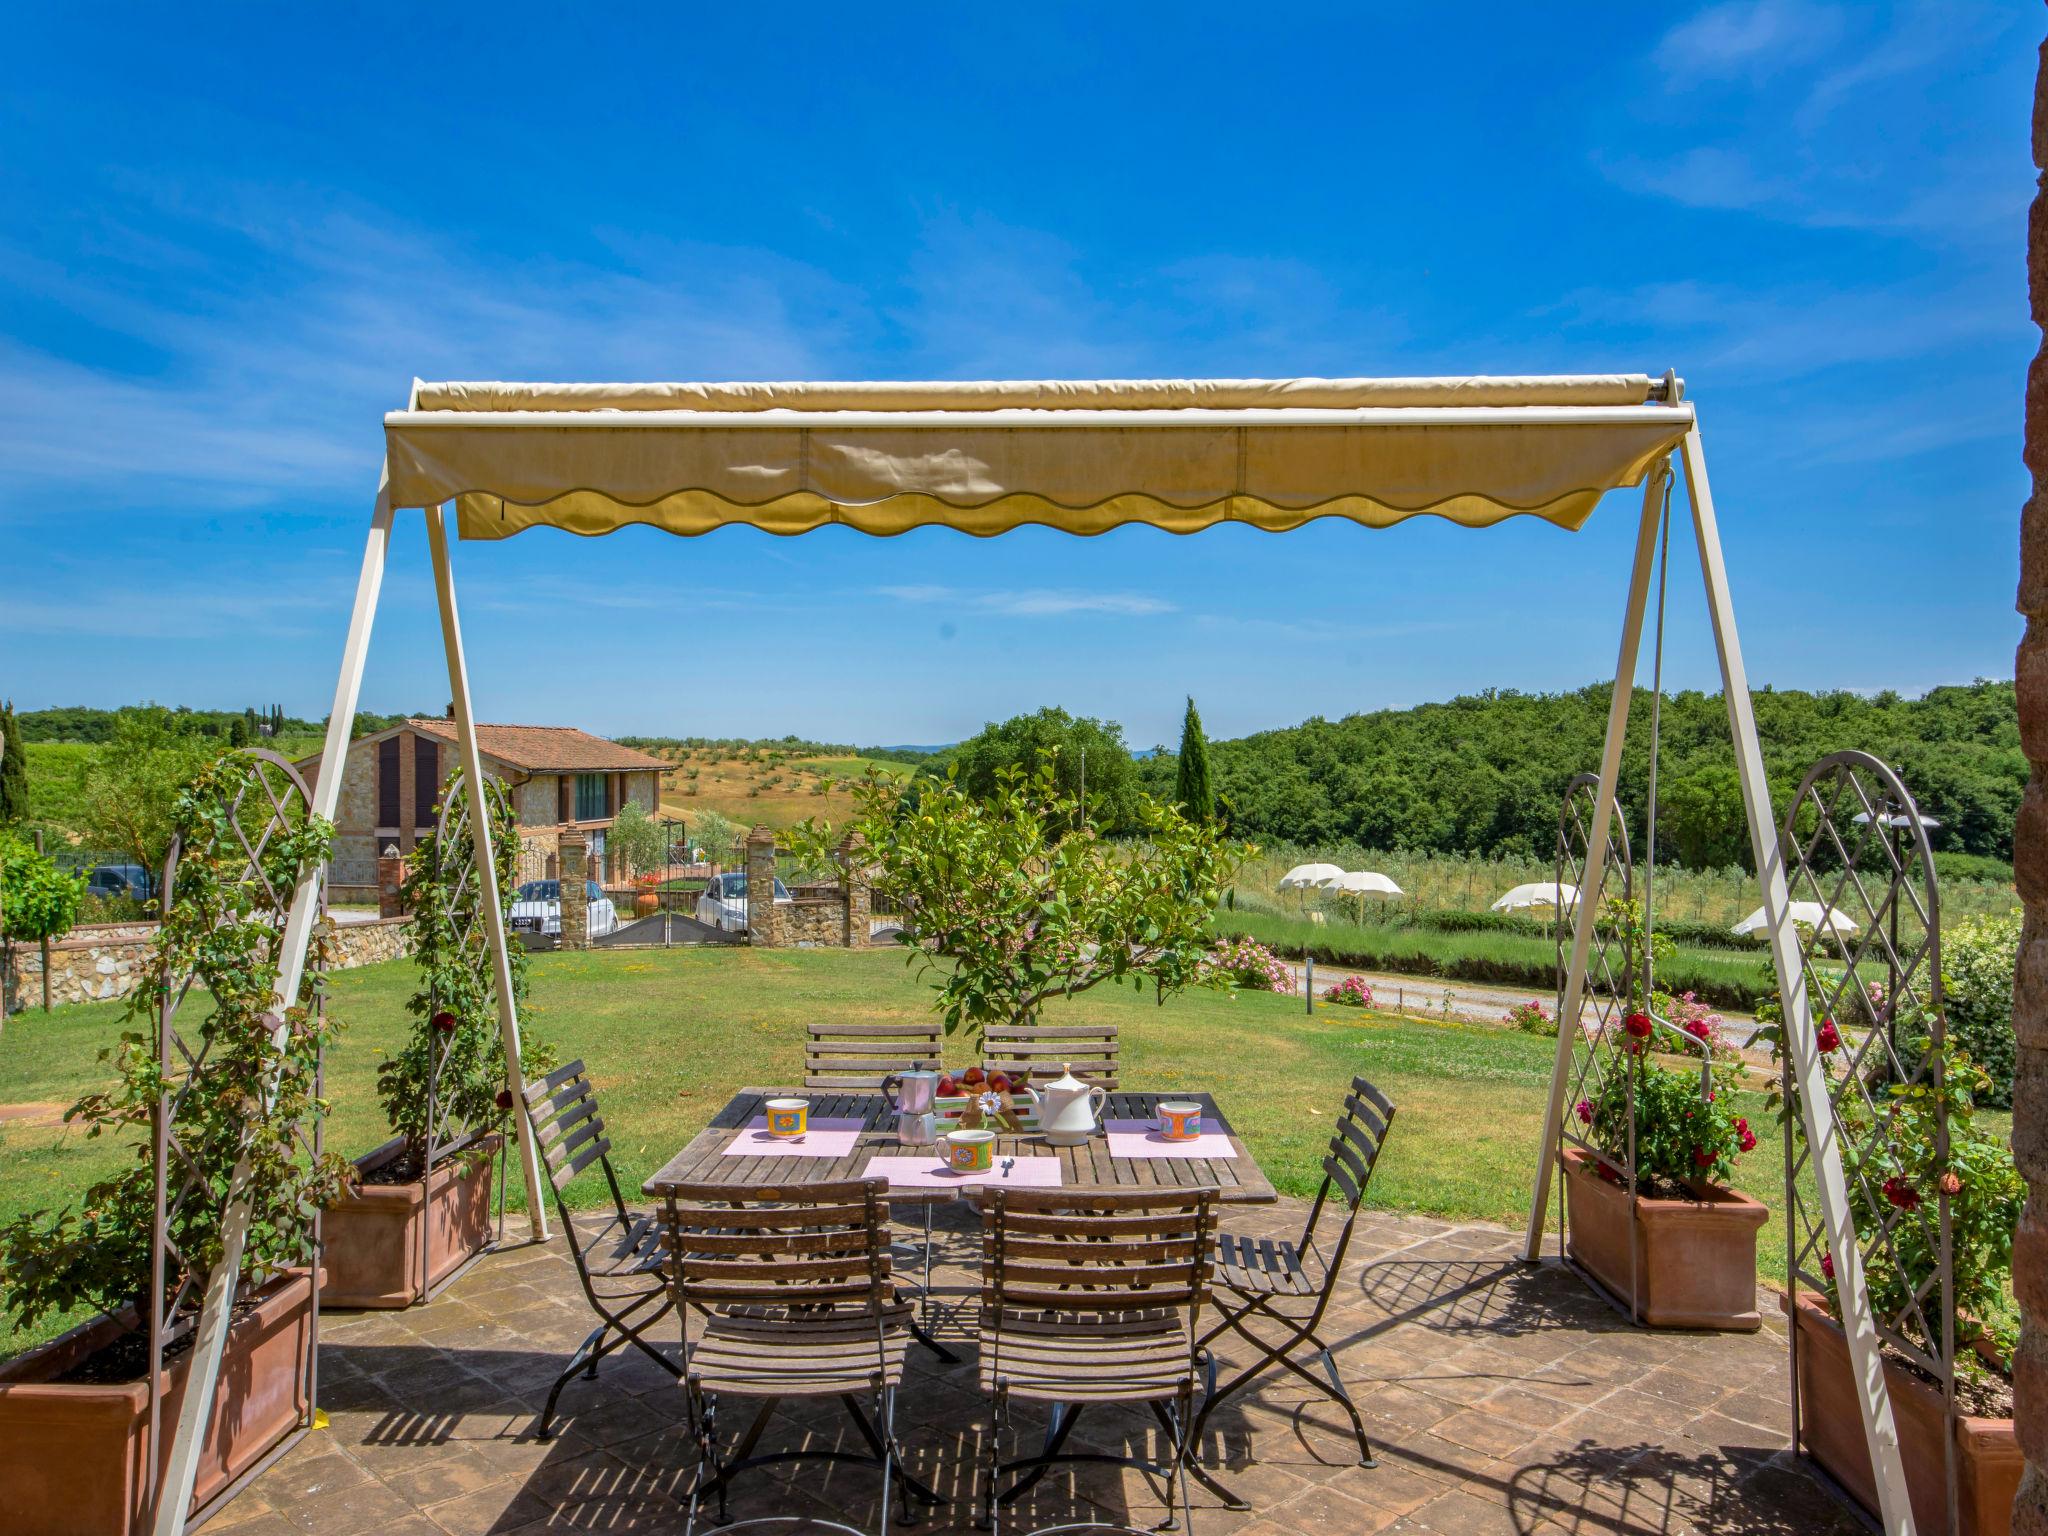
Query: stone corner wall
103,962
2030,868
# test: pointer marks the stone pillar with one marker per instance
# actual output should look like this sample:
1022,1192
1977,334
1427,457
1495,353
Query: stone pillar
575,860
390,882
2030,870
764,918
853,890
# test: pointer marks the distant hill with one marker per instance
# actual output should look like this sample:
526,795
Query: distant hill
1485,772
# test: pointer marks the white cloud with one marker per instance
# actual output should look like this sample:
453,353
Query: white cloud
1032,602
1750,38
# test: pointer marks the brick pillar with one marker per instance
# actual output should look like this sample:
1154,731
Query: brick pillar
2030,869
764,918
853,890
575,862
390,880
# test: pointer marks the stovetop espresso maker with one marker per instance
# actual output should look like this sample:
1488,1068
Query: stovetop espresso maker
916,1098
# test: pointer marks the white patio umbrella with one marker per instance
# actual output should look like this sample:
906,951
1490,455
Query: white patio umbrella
1309,877
1362,883
1541,893
1808,914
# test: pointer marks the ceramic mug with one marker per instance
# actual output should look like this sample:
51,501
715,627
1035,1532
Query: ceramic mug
1180,1121
970,1151
788,1118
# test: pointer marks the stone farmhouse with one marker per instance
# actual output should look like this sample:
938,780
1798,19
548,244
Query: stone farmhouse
559,778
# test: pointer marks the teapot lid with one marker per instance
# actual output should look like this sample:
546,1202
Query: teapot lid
1067,1079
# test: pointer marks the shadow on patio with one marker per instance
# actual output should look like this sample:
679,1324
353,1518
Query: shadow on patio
1500,1398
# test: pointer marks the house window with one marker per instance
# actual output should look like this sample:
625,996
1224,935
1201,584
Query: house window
590,797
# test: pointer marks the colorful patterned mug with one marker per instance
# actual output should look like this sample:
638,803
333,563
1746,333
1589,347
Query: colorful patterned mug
1180,1121
788,1118
970,1151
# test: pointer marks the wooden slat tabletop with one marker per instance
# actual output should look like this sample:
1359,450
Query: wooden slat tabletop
1088,1166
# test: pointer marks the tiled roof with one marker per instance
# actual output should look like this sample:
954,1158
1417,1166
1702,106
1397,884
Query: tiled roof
546,748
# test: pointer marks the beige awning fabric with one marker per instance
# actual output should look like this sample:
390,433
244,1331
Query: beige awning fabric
984,458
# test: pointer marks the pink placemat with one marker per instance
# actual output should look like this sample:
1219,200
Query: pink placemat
923,1170
826,1137
1141,1138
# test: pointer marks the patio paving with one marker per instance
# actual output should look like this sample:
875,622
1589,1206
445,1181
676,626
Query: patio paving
1501,1399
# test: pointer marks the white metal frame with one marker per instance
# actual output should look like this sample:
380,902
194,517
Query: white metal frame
1879,1430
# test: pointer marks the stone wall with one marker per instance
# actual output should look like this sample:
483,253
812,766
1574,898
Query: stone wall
2030,869
818,916
102,961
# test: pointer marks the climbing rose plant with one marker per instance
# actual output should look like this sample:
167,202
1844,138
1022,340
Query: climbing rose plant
455,1005
248,1095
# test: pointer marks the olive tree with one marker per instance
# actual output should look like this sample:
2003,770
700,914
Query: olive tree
1013,903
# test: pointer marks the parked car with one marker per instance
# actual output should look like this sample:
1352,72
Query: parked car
723,903
537,908
128,882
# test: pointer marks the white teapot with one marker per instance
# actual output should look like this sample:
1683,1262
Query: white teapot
1067,1108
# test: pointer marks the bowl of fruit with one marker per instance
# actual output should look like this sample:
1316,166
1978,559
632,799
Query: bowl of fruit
978,1096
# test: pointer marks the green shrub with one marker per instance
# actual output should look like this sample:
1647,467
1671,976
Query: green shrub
37,899
1978,956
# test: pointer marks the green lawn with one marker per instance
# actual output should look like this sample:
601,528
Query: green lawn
670,1034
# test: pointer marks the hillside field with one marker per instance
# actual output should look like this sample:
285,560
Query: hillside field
765,784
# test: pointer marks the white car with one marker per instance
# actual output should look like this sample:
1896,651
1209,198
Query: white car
723,903
537,908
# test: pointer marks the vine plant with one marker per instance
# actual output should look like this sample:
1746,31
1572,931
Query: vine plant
245,1090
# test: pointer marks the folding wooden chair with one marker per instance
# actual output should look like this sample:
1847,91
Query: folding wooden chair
1286,1286
1091,1296
789,1292
1042,1049
618,1252
857,1056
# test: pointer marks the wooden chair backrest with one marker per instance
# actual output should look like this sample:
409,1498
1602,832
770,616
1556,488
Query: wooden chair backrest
1084,1253
785,1246
1355,1147
856,1056
567,1129
1042,1049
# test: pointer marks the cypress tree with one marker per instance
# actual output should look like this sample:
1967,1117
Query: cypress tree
13,769
1192,788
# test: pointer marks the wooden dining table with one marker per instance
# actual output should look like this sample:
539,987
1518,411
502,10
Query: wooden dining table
1238,1180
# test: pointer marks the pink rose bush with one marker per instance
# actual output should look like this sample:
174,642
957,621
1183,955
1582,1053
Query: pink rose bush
1352,992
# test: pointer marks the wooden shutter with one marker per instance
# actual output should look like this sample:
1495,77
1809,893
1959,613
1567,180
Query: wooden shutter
426,779
389,803
563,789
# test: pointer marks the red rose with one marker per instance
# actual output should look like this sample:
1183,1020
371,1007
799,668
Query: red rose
1746,1141
1901,1193
444,1021
504,1098
1827,1265
1702,1158
1698,1029
1829,1039
1638,1025
1585,1111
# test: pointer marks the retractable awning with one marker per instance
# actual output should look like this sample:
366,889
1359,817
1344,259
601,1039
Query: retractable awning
983,458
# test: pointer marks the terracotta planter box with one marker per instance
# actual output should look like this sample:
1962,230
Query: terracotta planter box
371,1237
1988,1461
72,1455
1695,1263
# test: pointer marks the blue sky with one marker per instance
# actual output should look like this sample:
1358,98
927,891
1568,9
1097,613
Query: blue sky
229,238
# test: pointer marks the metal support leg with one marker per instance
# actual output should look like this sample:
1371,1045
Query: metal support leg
486,869
1596,849
174,1488
1879,1430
